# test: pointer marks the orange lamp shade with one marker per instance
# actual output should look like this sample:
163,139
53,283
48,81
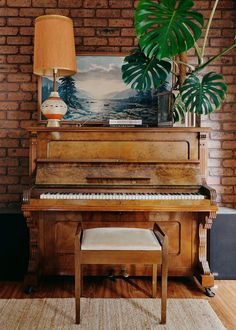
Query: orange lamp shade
54,46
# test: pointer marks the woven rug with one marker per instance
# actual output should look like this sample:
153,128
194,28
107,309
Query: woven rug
107,314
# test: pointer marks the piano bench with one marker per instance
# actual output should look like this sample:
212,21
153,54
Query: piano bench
119,245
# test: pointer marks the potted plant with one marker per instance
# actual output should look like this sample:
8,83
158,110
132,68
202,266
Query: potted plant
166,30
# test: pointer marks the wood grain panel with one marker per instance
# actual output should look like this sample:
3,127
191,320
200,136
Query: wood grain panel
120,150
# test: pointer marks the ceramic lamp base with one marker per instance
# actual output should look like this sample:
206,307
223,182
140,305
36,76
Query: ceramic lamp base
54,108
53,123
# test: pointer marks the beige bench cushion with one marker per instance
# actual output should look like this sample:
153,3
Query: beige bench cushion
119,239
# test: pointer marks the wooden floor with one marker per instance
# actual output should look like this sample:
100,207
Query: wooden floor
224,302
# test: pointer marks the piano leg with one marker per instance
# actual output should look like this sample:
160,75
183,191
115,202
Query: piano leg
203,273
31,279
209,293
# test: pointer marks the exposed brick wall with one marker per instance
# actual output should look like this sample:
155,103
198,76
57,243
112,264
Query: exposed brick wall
100,25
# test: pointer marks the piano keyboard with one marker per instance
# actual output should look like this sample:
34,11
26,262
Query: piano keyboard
123,196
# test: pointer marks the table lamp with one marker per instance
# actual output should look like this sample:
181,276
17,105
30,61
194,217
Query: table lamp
54,55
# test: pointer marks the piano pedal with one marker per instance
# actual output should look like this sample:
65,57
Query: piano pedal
111,275
123,272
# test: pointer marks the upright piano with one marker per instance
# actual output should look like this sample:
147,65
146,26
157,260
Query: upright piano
104,176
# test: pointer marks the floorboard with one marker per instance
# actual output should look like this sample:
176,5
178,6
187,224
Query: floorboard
224,302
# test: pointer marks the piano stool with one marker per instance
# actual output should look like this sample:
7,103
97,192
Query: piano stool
122,245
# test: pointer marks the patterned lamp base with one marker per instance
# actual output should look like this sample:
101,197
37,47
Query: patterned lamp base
54,109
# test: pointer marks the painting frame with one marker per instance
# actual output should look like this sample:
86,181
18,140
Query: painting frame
99,57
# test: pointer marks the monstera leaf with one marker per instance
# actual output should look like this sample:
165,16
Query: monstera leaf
179,109
203,95
167,28
144,73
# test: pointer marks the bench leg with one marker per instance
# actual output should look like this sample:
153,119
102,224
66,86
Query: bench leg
154,281
77,287
163,292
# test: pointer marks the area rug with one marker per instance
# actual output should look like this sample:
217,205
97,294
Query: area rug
107,314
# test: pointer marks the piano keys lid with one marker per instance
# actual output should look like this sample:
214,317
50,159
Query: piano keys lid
110,173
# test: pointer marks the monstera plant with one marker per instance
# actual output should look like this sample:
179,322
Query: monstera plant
166,30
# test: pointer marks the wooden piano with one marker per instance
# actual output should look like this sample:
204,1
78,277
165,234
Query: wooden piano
105,176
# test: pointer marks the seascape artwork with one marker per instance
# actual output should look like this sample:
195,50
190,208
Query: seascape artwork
97,93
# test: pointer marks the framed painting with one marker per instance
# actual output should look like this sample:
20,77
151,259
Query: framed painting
97,94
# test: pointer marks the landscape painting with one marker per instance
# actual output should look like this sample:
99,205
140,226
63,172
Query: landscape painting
97,93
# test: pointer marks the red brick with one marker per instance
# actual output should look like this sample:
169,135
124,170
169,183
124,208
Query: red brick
229,126
9,87
2,41
78,13
19,3
229,198
229,181
96,3
28,106
2,21
18,59
84,32
9,105
57,11
9,124
9,162
229,144
120,4
2,3
223,116
18,40
44,3
9,49
19,21
10,197
121,22
2,152
8,30
27,68
4,12
229,163
225,189
9,143
108,12
18,115
8,179
15,188
2,76
95,41
108,49
95,22
120,41
127,13
28,31
17,133
228,33
108,32
229,70
18,77
31,12
19,152
20,96
27,50
70,3
29,87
